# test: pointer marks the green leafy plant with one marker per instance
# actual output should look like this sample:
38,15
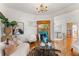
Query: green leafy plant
6,22
13,23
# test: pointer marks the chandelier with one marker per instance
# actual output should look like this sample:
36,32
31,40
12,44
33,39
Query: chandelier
42,8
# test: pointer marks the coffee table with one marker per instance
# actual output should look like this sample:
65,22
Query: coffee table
44,51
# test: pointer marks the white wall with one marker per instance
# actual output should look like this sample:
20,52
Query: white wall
61,20
29,20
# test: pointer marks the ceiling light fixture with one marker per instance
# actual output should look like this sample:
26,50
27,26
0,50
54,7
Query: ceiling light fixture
42,8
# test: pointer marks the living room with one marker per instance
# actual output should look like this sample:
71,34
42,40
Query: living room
57,23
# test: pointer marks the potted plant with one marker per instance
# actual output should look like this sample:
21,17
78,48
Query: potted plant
8,25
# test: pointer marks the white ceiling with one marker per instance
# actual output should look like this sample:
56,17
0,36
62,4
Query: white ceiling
53,8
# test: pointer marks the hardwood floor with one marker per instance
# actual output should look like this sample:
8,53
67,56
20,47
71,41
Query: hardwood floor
61,45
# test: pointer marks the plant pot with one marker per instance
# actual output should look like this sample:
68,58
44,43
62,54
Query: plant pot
7,30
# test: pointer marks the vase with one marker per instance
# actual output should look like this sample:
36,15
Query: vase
7,30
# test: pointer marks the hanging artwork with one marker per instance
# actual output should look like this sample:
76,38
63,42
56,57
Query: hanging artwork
18,29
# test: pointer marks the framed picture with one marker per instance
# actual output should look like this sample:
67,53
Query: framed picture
18,29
